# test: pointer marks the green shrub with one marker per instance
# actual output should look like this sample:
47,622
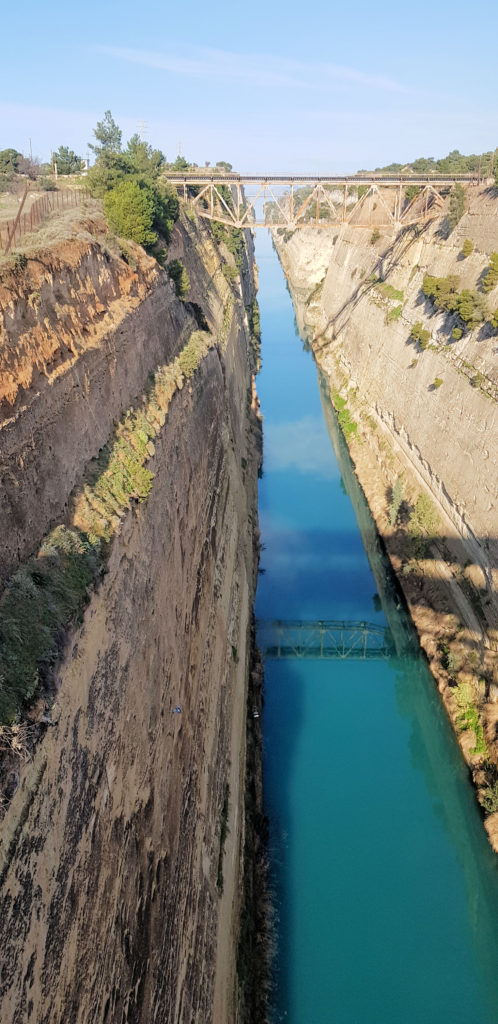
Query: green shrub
478,380
394,314
471,308
390,292
490,798
230,273
374,237
18,262
178,274
442,290
494,319
469,718
46,183
424,519
469,305
456,205
437,382
421,334
467,248
491,278
411,191
456,333
348,426
130,211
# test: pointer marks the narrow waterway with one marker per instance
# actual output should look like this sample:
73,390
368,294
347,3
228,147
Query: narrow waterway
386,889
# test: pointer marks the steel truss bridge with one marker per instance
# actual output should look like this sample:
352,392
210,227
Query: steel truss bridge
324,640
292,201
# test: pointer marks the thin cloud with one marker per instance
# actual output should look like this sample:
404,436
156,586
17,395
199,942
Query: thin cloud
256,69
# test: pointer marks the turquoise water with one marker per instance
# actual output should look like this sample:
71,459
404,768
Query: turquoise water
386,889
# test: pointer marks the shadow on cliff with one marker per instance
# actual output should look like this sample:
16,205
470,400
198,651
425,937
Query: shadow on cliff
381,266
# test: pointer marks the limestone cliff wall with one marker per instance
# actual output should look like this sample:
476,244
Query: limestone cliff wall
448,434
120,853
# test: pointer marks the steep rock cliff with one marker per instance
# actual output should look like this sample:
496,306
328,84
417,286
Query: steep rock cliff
120,854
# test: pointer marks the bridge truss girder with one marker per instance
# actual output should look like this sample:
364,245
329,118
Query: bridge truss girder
324,640
381,205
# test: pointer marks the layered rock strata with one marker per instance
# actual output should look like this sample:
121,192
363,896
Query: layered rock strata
120,855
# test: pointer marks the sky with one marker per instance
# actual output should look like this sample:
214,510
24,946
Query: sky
270,87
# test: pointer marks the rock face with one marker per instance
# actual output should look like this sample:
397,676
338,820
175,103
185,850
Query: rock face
120,861
448,434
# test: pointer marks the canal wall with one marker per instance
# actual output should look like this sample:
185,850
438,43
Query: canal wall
420,420
123,784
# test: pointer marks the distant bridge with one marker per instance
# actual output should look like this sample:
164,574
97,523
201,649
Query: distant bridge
324,640
293,201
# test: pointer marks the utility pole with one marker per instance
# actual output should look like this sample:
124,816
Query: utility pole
30,152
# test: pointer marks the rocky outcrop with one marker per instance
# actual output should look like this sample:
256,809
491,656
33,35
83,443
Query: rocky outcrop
120,855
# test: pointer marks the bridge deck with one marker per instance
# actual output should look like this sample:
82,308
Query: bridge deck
324,179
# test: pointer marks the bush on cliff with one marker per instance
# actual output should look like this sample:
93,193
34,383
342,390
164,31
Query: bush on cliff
130,208
491,277
421,334
142,165
443,291
456,207
424,524
179,276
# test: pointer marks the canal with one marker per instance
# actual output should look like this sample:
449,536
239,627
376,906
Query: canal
385,887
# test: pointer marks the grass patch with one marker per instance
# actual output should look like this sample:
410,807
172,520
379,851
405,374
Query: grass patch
394,314
347,424
468,718
391,293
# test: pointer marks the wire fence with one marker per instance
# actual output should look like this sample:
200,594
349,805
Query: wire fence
11,231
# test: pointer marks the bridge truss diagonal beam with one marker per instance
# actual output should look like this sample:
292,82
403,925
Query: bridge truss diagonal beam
324,640
324,202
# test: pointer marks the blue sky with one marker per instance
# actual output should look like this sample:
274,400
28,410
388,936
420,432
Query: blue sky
268,87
